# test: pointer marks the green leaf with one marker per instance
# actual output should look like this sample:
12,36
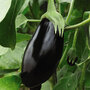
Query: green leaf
64,7
69,82
74,18
4,7
21,19
10,83
13,58
35,9
81,42
85,55
24,6
86,14
22,37
82,4
62,72
77,9
87,79
46,86
7,26
5,71
3,50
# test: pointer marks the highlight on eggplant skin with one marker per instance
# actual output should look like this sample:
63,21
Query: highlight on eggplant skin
42,55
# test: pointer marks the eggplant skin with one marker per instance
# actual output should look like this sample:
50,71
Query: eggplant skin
36,88
42,55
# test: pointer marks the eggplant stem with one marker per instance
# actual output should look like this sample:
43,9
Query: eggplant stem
51,6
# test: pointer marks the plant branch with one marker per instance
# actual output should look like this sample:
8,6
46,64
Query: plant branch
78,25
64,54
88,59
70,11
33,20
82,79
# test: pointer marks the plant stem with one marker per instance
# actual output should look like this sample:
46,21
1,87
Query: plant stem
75,38
87,43
88,59
78,25
64,54
53,80
81,83
51,6
70,11
33,20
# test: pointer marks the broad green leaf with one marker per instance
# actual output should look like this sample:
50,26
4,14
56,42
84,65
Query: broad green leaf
3,50
64,7
7,26
46,86
85,55
4,7
5,71
21,19
24,6
69,82
86,14
10,83
22,37
87,80
74,18
35,9
81,42
13,58
61,73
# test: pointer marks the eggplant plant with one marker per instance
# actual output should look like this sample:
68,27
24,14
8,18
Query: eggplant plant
45,44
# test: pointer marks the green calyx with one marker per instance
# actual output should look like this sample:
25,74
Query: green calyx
55,17
72,53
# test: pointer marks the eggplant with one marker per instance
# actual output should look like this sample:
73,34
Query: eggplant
42,55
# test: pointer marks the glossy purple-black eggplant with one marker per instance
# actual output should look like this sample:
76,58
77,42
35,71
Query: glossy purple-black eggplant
42,55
